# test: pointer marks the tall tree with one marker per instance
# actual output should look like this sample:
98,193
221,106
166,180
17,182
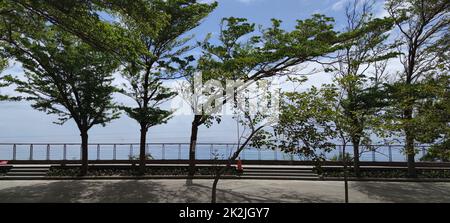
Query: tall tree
361,95
84,19
13,21
308,123
254,111
433,114
420,24
3,65
163,55
242,54
3,84
67,78
433,118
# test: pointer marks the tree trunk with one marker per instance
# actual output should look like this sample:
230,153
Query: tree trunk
410,152
345,174
214,190
142,152
193,145
224,169
217,177
356,157
84,152
411,155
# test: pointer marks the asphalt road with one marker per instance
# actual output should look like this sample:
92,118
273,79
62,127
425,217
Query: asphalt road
247,191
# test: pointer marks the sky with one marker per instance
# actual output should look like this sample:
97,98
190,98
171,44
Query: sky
20,123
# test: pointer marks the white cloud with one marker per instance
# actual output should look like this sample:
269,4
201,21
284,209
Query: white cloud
380,10
206,1
246,1
339,5
241,1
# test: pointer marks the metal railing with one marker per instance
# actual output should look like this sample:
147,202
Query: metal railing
180,151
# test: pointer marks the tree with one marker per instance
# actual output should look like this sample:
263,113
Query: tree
420,24
13,21
82,19
433,117
243,55
3,83
254,111
361,93
160,57
433,114
67,78
308,123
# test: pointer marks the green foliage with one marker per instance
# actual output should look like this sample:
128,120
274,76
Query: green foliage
360,73
14,21
244,54
127,171
386,173
432,122
3,63
147,113
340,157
3,83
65,77
424,49
247,55
162,54
306,125
148,156
82,19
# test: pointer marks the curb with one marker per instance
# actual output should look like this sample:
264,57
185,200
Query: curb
115,178
229,178
418,180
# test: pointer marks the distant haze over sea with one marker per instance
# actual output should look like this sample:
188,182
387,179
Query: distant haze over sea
21,123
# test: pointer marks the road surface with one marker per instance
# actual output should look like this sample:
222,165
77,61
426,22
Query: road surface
247,191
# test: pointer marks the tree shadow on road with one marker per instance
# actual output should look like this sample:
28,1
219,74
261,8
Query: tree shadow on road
135,191
266,195
83,191
405,192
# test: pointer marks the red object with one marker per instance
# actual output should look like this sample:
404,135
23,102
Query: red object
239,165
3,162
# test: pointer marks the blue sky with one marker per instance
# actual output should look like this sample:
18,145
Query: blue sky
20,123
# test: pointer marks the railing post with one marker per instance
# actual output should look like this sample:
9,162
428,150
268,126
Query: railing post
114,152
131,152
147,150
163,152
81,151
31,151
373,156
390,153
14,152
421,148
98,151
64,152
48,152
211,152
